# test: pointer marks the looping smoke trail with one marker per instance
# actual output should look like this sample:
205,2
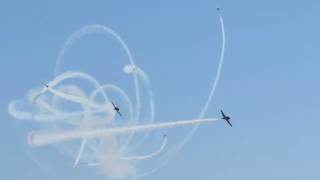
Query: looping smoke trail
45,111
212,91
155,153
103,144
146,81
145,157
76,99
96,28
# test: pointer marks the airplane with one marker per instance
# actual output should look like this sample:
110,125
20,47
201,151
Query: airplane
165,135
47,85
116,109
226,118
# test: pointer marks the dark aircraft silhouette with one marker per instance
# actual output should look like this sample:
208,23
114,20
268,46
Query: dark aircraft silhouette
47,85
226,118
116,108
165,135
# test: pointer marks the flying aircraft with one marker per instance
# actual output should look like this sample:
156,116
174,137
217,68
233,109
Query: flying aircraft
116,108
165,135
226,118
47,85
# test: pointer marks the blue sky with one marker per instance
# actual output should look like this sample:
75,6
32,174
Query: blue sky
269,83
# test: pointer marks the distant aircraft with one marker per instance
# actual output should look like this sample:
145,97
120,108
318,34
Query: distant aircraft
226,118
47,85
165,135
116,108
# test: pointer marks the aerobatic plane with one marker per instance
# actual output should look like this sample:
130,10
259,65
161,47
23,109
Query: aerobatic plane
226,118
116,109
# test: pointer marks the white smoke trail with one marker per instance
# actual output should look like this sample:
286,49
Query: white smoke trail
69,117
125,98
82,146
163,145
212,91
96,28
73,75
85,122
78,99
35,95
135,158
55,114
46,138
151,105
88,123
107,31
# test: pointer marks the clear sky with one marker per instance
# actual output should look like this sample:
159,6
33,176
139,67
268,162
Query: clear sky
269,83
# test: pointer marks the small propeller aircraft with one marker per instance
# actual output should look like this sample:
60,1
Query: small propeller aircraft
226,118
116,109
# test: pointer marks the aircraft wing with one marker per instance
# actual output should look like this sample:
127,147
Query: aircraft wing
113,104
229,123
222,113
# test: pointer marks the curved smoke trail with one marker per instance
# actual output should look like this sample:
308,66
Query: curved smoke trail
110,153
212,91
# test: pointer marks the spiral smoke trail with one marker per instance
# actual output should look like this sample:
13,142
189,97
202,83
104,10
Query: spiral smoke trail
93,122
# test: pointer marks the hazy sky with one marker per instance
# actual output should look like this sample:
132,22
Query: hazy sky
269,83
